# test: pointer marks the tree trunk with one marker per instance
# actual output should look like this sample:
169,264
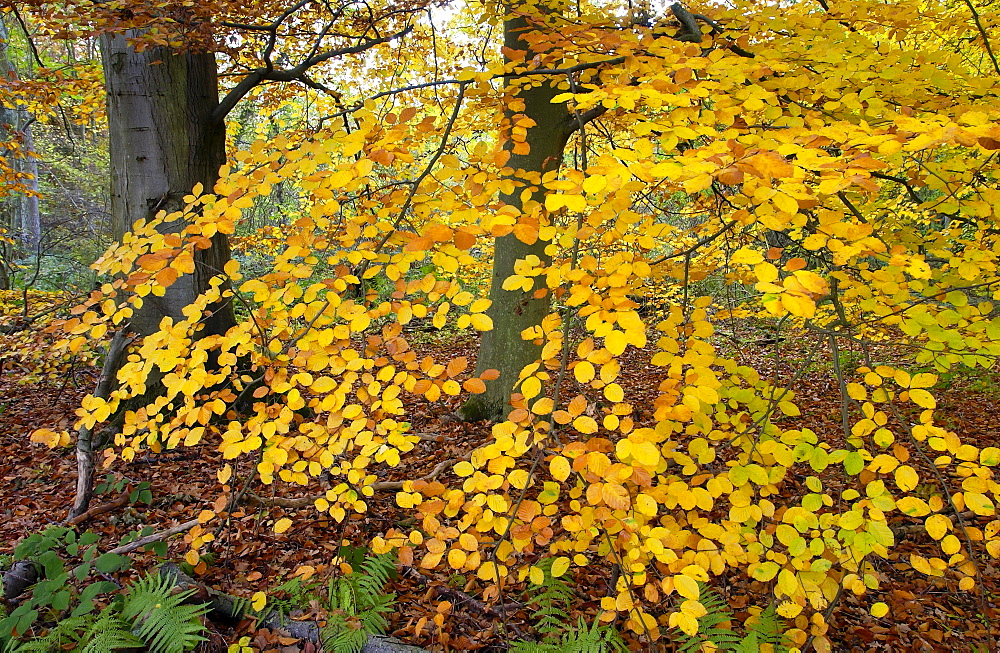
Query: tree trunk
503,348
164,141
20,216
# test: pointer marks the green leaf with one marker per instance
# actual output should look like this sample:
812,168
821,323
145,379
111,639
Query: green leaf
854,463
111,562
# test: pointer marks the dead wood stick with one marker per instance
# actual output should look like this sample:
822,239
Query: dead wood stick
380,486
99,510
154,537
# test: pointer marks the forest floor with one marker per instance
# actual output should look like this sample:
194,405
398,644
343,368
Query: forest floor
925,614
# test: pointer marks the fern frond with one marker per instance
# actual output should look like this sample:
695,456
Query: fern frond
161,618
599,638
552,601
68,631
109,632
358,602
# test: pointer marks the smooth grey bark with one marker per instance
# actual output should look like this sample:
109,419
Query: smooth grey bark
503,348
164,139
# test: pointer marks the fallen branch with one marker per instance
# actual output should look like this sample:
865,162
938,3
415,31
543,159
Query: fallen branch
154,537
99,510
380,486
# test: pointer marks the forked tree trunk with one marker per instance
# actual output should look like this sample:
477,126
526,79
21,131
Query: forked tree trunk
163,141
503,348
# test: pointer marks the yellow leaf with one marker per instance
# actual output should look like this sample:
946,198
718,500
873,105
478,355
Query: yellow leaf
584,372
922,398
481,322
785,203
282,525
685,622
536,575
258,601
687,587
530,387
616,342
224,474
323,385
906,478
560,566
798,305
614,393
585,424
559,467
937,525
457,558
746,256
979,504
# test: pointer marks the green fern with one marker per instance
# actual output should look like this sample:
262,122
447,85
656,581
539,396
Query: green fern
109,632
160,616
68,631
358,603
598,638
715,629
552,600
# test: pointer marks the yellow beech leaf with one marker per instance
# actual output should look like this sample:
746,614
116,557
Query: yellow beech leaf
530,387
258,601
584,372
615,496
457,558
614,393
922,398
980,504
560,566
225,473
687,587
282,525
798,305
481,322
584,424
747,256
879,609
616,342
906,478
559,468
937,526
536,575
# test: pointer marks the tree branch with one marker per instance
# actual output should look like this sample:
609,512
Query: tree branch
260,75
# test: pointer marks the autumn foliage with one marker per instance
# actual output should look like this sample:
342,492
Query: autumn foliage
827,169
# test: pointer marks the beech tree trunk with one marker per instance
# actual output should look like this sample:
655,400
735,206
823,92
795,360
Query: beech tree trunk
163,141
503,348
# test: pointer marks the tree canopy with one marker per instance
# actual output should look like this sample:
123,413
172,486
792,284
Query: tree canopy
578,182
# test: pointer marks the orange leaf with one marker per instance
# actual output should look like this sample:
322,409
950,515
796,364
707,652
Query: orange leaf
475,386
464,240
457,366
